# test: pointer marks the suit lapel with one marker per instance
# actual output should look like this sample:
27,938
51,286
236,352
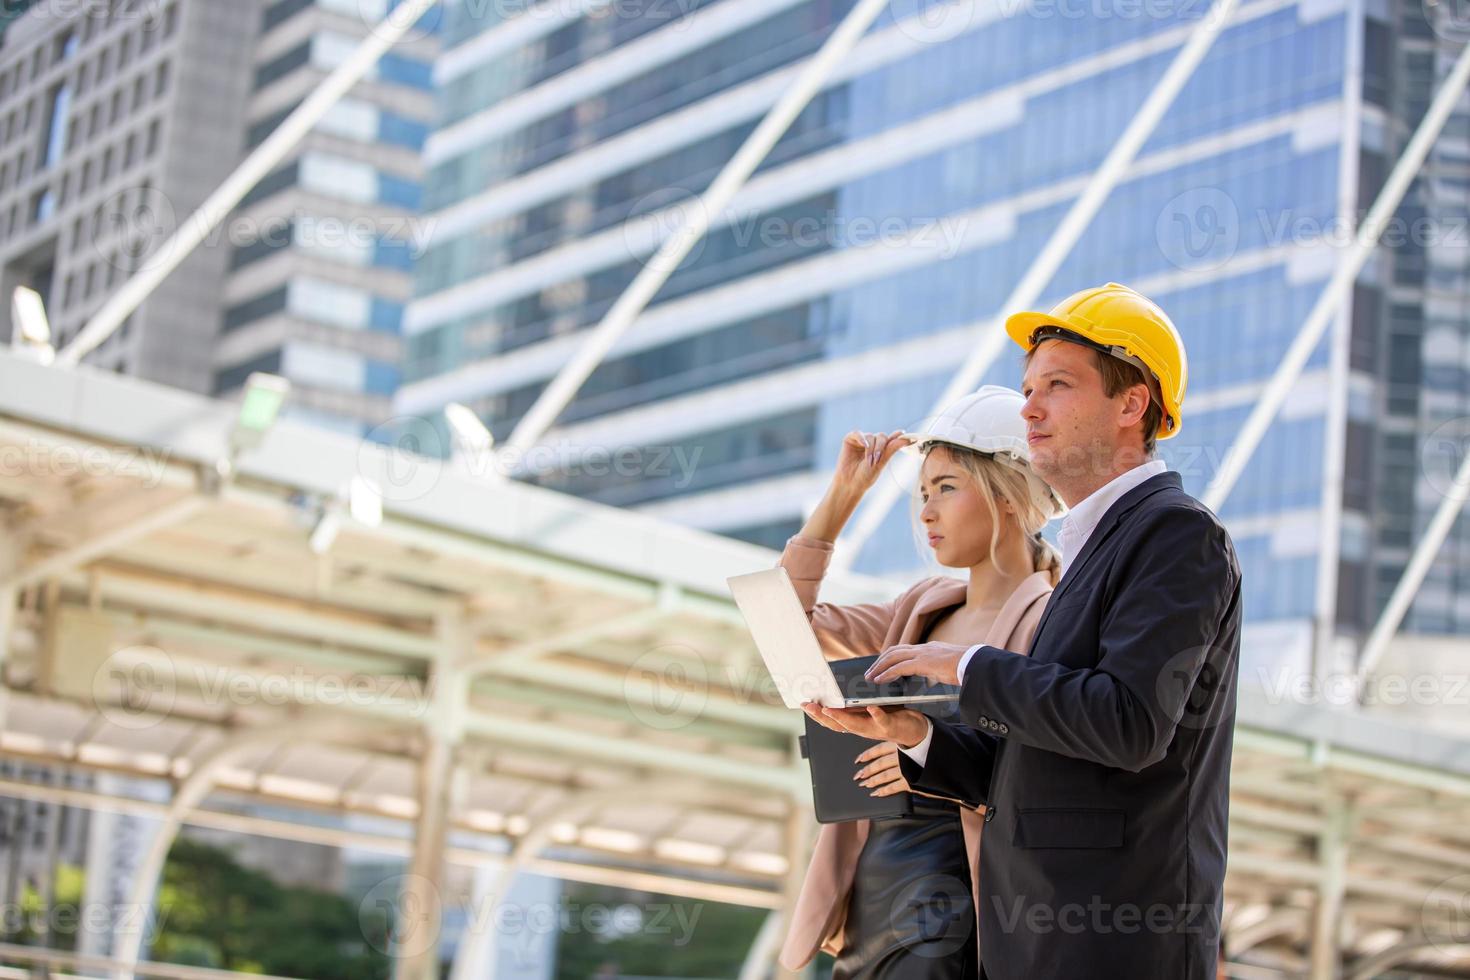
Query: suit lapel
1105,527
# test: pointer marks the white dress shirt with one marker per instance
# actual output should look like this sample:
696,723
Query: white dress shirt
1077,527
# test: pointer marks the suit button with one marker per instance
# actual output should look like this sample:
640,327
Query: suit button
994,726
989,814
1004,729
984,722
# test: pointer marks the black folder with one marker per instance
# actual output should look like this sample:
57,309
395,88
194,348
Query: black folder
836,796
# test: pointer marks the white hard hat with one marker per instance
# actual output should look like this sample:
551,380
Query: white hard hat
989,421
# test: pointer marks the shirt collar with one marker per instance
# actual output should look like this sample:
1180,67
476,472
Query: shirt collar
1081,520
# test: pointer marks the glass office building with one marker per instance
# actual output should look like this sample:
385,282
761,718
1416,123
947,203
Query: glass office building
855,270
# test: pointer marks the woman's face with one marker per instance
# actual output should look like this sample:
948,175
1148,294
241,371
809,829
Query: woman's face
955,516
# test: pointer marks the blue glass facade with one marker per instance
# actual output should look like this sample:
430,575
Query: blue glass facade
1211,221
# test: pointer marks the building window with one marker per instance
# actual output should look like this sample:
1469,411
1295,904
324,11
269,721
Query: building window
170,20
55,139
86,182
116,111
297,57
153,131
130,151
107,165
43,206
160,84
140,92
66,46
124,52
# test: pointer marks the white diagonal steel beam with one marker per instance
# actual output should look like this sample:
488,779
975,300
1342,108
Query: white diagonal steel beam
1424,554
1337,288
1025,294
554,399
196,228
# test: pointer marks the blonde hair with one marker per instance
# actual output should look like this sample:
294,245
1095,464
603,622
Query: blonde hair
995,480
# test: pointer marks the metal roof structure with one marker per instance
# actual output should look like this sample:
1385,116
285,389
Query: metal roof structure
494,668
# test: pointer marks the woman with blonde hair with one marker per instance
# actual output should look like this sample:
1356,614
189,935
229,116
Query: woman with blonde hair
895,896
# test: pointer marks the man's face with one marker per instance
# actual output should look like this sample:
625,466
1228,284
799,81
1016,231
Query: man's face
1073,428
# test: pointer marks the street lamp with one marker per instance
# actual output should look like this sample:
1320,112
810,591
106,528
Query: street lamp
30,329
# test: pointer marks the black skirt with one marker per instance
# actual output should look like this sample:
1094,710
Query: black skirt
911,913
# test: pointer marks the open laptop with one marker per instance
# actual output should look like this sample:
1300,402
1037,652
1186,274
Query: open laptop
788,645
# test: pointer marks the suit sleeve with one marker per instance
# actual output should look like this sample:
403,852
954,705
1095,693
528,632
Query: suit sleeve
1155,637
959,765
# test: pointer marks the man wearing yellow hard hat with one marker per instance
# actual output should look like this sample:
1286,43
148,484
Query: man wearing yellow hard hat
1103,757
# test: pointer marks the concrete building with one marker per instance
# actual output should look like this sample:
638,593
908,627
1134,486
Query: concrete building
116,120
850,277
322,248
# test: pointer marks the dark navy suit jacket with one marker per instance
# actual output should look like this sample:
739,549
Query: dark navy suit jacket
1104,756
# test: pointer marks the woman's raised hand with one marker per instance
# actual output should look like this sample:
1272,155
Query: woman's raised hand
863,456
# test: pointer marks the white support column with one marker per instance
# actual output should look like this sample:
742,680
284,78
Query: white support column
196,228
1424,554
1332,850
698,215
991,340
1343,277
421,902
127,945
9,597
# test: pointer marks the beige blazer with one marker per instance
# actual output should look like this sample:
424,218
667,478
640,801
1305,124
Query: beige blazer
859,631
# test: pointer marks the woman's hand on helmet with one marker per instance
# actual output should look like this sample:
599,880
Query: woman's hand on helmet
863,456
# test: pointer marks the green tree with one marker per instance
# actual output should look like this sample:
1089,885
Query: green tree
213,912
659,936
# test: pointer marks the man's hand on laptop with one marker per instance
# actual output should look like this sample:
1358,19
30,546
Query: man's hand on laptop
902,726
939,662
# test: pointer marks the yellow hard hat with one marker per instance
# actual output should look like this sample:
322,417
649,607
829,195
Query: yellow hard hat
1118,321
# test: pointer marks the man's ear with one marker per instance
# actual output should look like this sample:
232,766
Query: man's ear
1135,405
